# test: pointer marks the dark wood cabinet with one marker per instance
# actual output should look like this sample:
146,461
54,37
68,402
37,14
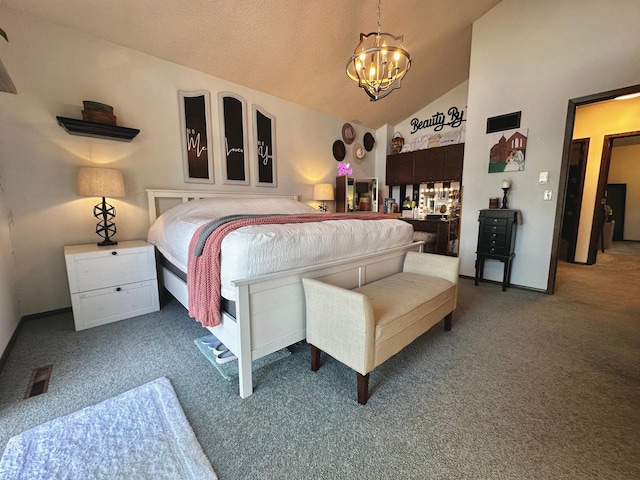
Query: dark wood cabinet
453,162
429,165
439,227
400,169
426,166
496,240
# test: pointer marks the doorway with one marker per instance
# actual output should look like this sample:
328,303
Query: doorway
573,104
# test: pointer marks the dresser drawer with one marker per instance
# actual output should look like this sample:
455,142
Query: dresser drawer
493,250
107,305
109,267
496,221
489,241
495,229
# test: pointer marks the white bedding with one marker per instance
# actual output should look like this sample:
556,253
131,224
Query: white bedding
260,249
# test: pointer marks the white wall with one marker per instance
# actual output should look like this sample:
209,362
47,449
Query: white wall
55,69
534,57
9,312
625,168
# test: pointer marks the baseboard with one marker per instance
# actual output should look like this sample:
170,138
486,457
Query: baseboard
58,311
23,320
511,285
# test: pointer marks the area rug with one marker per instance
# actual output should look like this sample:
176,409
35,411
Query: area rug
230,370
142,433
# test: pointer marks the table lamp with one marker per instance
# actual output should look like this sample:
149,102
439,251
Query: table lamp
323,192
102,182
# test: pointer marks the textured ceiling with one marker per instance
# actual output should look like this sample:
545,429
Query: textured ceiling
296,50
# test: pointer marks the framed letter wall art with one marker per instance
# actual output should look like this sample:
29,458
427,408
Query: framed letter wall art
264,142
197,154
233,135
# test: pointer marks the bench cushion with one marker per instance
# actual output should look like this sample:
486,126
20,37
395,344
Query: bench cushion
401,304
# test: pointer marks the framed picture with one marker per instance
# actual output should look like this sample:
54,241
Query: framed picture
507,150
264,142
197,151
235,163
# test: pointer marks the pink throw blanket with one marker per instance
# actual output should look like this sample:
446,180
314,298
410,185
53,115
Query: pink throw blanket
203,272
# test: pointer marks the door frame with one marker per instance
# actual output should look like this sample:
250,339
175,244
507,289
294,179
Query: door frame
573,104
598,217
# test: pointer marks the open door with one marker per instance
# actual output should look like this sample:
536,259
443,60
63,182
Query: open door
573,198
616,199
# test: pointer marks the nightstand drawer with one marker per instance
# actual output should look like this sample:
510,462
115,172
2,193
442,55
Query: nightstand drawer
106,305
111,266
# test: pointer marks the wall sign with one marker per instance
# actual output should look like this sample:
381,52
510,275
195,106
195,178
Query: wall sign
438,120
197,155
233,139
264,142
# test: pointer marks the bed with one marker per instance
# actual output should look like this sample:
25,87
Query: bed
263,299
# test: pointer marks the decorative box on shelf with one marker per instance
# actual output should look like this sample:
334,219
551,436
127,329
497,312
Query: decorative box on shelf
111,283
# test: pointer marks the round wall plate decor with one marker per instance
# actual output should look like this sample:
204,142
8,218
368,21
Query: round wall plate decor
339,150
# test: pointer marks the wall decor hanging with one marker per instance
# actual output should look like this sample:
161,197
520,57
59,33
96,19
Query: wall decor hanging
265,143
507,150
348,133
454,119
197,155
368,140
358,153
339,150
233,133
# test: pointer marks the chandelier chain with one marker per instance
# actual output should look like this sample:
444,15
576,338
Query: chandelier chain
379,17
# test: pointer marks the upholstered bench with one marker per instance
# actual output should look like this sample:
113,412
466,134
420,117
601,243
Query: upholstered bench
364,327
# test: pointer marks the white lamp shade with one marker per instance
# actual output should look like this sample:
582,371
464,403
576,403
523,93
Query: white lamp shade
323,191
100,182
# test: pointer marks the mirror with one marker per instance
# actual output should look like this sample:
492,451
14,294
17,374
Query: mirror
356,194
365,194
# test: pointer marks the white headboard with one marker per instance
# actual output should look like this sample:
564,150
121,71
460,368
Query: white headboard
153,195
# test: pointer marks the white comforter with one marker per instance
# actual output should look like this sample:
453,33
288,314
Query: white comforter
260,249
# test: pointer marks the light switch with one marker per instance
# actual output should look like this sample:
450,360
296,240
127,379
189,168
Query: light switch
543,179
547,194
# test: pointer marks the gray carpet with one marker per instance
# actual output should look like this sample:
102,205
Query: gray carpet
525,386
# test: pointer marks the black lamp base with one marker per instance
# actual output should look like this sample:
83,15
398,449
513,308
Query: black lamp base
107,243
105,227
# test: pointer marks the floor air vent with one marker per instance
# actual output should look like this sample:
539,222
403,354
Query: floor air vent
39,381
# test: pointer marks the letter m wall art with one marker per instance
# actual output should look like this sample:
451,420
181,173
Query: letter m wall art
197,151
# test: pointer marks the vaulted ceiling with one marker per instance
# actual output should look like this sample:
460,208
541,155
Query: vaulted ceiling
296,50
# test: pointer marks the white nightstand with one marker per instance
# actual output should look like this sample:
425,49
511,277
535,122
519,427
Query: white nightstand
111,283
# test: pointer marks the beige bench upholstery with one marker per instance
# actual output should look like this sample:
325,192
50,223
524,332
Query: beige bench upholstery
364,327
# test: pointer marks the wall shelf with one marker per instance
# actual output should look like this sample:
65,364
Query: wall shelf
100,130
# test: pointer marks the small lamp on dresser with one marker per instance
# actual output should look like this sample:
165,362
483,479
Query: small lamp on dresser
323,192
102,182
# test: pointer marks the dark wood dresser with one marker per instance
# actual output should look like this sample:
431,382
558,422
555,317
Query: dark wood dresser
496,241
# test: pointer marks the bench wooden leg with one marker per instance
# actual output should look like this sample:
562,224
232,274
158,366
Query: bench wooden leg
447,321
363,388
315,358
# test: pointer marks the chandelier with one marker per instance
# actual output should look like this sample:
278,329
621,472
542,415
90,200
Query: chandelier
379,63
